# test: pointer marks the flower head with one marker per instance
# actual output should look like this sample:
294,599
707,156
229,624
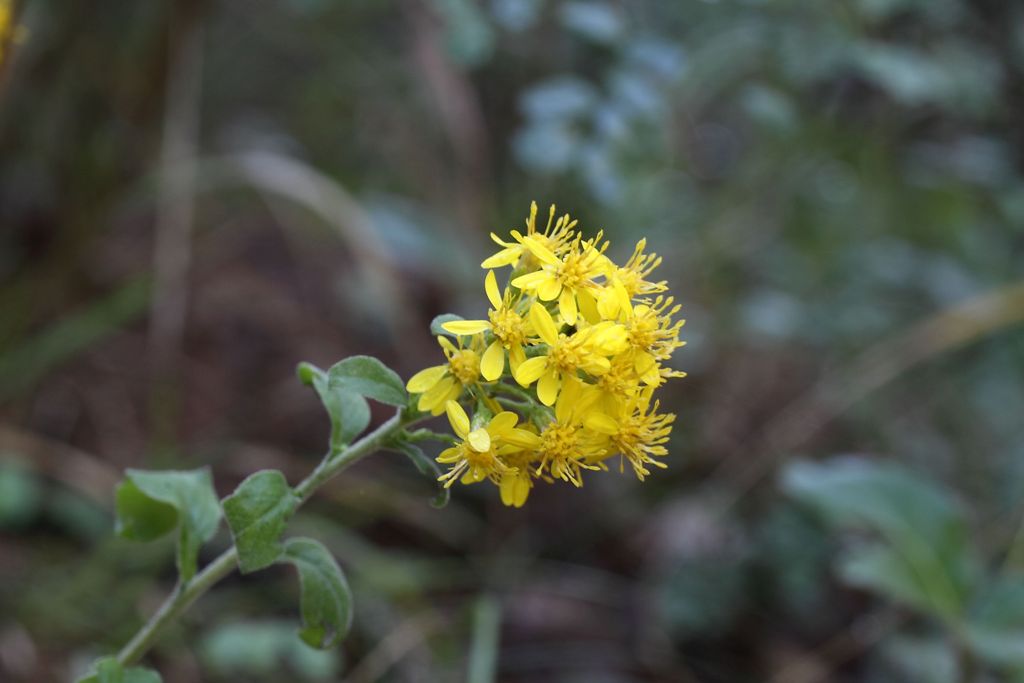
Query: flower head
442,383
640,433
478,455
553,238
563,369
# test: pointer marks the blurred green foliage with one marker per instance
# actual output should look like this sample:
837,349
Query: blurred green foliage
820,177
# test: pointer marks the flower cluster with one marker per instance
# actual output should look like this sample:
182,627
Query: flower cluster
561,375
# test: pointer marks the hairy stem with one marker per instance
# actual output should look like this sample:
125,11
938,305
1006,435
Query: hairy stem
184,595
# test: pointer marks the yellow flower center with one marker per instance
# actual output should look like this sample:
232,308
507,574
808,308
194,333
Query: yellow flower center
574,271
507,326
485,460
630,435
465,365
619,380
560,449
640,439
566,355
643,329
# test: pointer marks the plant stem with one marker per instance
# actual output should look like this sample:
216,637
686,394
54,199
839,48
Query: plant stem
176,603
483,651
514,391
184,595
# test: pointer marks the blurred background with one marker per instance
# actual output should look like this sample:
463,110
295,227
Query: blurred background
195,195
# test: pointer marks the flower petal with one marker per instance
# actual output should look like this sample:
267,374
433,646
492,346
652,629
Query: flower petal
522,438
505,257
588,306
502,423
424,379
493,362
437,394
567,306
531,369
491,287
549,289
623,297
530,281
608,303
544,324
450,455
540,251
515,488
548,387
516,356
601,423
457,416
467,327
479,440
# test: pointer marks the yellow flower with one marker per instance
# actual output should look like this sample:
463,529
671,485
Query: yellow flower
593,336
442,383
517,481
478,455
640,433
508,326
576,438
587,349
554,239
653,337
567,277
628,282
618,384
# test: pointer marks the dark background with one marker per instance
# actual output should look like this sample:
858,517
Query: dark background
197,195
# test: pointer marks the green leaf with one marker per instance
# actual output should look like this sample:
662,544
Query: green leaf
348,410
257,513
108,670
21,495
995,626
437,324
369,377
326,600
888,572
924,556
427,467
264,651
151,504
307,373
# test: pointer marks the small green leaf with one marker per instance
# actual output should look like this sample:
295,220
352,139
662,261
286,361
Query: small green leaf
369,377
257,513
348,411
437,324
108,670
141,518
150,504
307,372
326,601
427,467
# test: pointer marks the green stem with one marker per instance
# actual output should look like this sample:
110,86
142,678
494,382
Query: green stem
429,435
176,603
483,650
184,595
514,391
